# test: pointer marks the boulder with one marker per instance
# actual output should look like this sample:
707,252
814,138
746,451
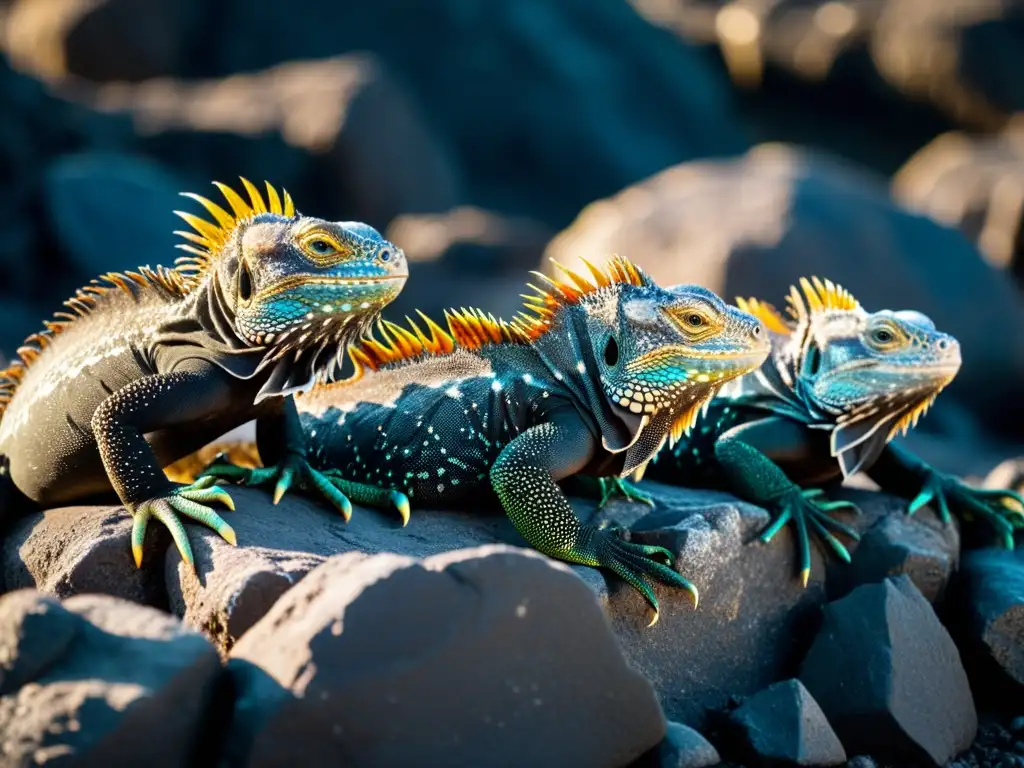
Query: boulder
338,133
783,725
753,226
915,704
80,550
975,184
100,681
959,55
927,551
492,655
601,97
101,40
684,747
101,206
987,615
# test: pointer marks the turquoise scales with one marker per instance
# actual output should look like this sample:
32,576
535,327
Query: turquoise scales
148,366
839,385
590,380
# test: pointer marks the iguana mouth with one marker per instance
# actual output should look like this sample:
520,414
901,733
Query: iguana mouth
634,424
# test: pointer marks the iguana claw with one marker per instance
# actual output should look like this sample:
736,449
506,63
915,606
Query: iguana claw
1003,509
182,501
809,508
634,563
610,486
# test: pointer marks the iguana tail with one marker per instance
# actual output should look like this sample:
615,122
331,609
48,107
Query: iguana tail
186,470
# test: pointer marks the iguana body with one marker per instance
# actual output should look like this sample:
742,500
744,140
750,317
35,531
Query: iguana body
592,381
149,366
839,385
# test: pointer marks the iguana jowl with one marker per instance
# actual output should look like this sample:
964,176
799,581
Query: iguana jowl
148,366
840,384
590,380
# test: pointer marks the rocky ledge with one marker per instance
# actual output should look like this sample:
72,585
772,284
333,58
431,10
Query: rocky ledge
449,642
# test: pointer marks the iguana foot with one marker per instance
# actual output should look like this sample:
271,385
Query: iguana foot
1002,509
808,509
604,547
612,486
338,491
182,501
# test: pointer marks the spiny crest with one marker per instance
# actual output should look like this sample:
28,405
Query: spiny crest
81,305
909,420
821,296
209,237
473,328
766,313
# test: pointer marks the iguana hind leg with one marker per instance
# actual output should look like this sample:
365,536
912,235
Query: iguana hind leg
525,477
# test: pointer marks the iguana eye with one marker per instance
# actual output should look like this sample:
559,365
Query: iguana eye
882,335
320,247
611,352
244,282
695,320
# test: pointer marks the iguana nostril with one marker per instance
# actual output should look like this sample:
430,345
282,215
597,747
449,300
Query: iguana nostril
943,344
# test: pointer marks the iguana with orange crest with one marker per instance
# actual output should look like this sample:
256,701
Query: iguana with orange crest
148,366
590,379
839,385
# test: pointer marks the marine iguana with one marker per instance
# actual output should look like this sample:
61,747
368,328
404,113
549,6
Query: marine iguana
591,379
149,365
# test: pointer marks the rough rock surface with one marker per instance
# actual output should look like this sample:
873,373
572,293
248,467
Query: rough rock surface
916,704
783,724
79,550
684,747
754,225
988,619
100,681
752,627
926,550
362,649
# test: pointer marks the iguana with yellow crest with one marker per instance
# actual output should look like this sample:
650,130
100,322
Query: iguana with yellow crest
590,379
148,366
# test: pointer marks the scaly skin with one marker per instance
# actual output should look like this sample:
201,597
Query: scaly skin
591,383
839,385
151,365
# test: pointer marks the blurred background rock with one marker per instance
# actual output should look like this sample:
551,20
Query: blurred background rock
737,144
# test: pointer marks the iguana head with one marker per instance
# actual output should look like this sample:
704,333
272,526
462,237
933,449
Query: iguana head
866,375
659,354
296,288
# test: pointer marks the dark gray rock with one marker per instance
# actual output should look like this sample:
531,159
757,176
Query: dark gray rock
752,226
783,725
925,550
79,550
99,681
338,133
889,678
87,197
578,131
987,606
493,656
684,747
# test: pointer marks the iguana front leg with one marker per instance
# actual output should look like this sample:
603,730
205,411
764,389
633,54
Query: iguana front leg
525,477
743,454
147,405
900,472
284,428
